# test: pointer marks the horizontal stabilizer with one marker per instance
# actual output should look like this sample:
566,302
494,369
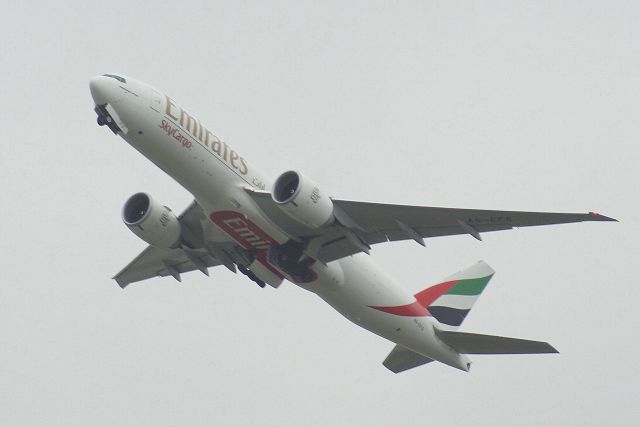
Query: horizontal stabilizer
467,343
401,358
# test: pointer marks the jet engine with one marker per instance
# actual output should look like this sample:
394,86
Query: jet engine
301,199
151,221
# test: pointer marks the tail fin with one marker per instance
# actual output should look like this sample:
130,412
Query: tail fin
450,301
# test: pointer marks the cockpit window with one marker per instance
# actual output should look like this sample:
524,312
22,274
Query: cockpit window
118,78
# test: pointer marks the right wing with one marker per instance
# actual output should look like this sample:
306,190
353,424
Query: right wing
194,255
157,262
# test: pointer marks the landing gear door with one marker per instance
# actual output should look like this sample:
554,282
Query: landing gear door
155,101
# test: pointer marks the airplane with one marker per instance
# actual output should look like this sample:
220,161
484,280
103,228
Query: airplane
291,229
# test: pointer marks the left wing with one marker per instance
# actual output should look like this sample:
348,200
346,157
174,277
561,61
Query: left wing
362,224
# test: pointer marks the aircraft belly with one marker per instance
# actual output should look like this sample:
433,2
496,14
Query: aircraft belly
365,286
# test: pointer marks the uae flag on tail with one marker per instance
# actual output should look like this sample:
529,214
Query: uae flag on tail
450,301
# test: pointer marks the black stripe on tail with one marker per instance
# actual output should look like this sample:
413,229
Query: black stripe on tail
447,315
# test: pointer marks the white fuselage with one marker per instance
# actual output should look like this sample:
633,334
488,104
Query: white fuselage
216,175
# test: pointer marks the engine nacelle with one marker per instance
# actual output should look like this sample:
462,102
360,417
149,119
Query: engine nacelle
151,221
301,199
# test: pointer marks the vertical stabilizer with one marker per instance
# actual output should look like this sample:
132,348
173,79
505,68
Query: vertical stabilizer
451,300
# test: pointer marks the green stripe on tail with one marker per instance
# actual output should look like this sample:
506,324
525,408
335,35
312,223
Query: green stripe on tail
469,286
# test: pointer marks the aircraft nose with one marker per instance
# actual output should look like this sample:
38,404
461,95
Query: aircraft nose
103,90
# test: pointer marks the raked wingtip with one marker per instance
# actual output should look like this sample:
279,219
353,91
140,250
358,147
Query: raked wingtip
599,217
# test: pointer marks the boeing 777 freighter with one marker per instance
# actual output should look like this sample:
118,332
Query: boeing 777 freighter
291,229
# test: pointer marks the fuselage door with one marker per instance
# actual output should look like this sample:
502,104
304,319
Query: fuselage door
155,101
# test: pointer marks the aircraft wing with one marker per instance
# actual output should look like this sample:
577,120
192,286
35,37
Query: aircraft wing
153,262
194,255
362,224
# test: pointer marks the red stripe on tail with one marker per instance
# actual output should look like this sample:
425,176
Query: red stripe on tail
429,295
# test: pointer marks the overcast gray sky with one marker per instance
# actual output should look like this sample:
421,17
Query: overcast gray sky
505,105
